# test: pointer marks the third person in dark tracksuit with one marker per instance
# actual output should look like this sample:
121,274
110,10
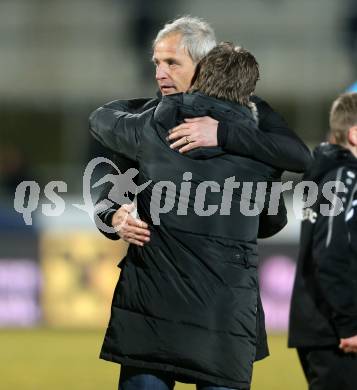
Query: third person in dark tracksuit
323,317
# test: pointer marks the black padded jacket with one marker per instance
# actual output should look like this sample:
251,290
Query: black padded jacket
188,301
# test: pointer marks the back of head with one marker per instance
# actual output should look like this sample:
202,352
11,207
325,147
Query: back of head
198,37
227,72
343,116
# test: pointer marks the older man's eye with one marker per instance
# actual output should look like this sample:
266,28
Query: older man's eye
171,62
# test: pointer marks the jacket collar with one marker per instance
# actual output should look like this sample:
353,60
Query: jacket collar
328,157
176,107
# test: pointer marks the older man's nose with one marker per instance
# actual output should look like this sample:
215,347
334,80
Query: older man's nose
160,73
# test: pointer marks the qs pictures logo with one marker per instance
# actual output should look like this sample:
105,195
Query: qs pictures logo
27,194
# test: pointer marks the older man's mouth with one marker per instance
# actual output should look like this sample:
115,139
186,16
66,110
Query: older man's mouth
167,89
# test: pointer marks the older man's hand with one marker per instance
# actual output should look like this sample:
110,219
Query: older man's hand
130,229
194,133
349,345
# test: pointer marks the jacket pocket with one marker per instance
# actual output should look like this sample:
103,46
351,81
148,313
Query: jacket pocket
233,252
221,261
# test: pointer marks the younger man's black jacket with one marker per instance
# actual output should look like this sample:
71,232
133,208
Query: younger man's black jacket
188,301
270,141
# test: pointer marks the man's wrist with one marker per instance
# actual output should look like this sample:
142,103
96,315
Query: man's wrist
108,217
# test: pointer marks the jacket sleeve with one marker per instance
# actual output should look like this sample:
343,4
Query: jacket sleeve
133,106
335,257
273,143
118,130
269,225
104,216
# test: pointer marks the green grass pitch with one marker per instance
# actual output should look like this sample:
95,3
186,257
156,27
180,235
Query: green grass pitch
44,359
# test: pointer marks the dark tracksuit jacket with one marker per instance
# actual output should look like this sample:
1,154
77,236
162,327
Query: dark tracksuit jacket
187,301
324,300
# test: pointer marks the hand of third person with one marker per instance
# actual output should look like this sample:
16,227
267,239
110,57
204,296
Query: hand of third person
130,229
349,345
194,133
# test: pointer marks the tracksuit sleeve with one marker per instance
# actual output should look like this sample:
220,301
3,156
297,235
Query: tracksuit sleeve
269,225
131,105
118,130
272,143
335,256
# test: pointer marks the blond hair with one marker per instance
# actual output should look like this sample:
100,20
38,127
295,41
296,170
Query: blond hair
343,116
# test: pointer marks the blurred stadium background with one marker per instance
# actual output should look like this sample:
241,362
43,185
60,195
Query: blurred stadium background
62,59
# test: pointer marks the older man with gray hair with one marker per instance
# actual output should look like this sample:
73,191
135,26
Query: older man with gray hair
177,50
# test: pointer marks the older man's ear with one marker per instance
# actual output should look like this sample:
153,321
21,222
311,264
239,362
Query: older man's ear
352,135
352,140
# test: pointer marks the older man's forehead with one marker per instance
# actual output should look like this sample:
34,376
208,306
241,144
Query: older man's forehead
171,45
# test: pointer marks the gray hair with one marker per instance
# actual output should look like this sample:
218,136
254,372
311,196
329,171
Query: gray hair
198,37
